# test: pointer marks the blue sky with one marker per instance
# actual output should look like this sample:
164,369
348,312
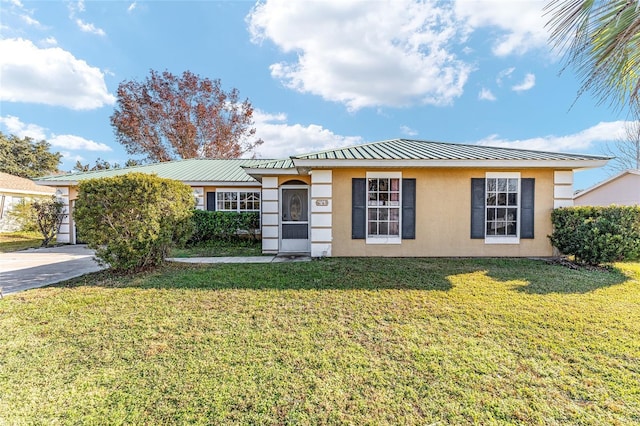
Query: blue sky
320,74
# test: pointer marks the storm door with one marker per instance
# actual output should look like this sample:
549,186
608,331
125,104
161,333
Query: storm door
294,219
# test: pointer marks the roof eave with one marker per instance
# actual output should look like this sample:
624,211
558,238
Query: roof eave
25,191
258,173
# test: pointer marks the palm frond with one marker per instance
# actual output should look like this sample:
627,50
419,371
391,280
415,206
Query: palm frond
601,40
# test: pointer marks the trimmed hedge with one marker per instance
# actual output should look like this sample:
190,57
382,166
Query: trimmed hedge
133,220
226,226
596,235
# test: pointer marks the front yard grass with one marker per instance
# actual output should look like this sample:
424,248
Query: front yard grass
334,341
215,248
14,241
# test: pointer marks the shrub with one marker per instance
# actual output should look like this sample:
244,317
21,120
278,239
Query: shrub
24,216
133,220
596,235
209,225
49,214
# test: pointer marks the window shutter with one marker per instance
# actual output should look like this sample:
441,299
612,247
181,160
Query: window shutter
211,201
527,196
477,208
358,208
409,209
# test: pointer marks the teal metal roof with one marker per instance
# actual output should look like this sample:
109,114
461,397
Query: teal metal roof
191,170
274,164
409,149
233,170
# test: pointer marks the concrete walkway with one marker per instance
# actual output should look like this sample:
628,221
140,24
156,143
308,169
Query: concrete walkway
33,268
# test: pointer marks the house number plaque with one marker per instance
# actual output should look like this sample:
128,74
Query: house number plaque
322,203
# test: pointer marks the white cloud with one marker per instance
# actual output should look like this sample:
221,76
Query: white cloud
50,76
29,20
283,140
89,28
504,74
521,22
364,54
527,84
406,130
70,157
602,132
77,143
49,41
76,8
16,127
132,6
486,95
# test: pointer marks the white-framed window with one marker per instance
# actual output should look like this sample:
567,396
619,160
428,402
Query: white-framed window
502,208
384,201
237,200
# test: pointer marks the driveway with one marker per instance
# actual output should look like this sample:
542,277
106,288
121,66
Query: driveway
25,269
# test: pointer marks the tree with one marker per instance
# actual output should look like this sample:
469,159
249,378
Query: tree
626,149
27,158
133,220
168,117
600,38
103,165
24,215
49,217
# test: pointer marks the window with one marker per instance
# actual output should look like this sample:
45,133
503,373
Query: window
502,207
383,207
238,201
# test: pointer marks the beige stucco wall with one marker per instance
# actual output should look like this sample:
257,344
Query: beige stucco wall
623,191
443,216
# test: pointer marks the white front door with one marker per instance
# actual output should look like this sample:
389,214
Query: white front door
294,219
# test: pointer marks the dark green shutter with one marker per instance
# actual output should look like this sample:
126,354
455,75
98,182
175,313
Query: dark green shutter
527,196
211,201
358,208
408,209
477,208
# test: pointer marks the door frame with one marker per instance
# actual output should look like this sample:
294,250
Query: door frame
306,187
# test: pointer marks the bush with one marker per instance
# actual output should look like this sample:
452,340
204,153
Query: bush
596,235
224,226
133,220
24,216
49,216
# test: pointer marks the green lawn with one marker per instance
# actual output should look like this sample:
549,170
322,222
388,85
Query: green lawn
13,241
220,249
335,341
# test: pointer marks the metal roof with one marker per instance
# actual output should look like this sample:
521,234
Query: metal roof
396,153
191,170
273,164
409,149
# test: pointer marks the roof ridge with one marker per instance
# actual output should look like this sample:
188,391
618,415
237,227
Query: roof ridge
344,147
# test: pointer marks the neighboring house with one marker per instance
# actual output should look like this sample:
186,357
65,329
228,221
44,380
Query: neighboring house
13,191
391,198
622,189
